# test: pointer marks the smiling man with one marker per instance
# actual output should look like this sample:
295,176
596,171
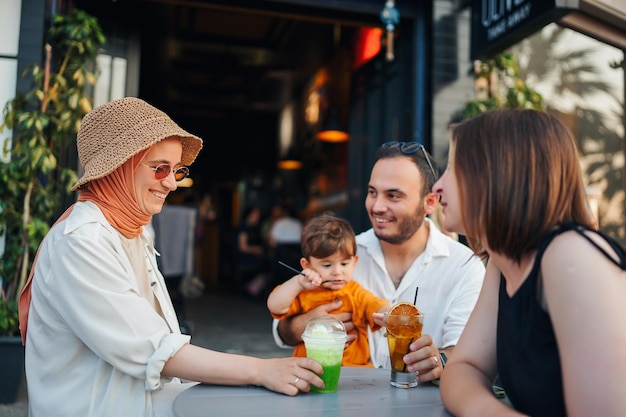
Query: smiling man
404,251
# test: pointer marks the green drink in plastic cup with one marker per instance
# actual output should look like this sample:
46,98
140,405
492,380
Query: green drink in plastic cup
324,340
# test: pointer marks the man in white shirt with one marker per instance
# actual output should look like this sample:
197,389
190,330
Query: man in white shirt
404,251
286,229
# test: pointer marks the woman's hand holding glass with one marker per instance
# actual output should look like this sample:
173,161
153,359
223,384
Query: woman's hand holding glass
290,375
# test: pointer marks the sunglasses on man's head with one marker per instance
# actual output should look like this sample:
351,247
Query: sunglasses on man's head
409,148
163,170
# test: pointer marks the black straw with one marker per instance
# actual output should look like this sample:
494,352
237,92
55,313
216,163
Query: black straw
291,268
415,299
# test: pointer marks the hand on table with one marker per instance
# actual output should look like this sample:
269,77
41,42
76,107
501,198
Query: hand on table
290,375
424,359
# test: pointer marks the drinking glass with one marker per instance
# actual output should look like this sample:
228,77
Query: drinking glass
402,330
325,339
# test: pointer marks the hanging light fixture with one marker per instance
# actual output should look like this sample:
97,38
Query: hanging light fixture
332,129
288,159
390,18
289,164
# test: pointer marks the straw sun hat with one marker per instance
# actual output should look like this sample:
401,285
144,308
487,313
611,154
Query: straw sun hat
113,132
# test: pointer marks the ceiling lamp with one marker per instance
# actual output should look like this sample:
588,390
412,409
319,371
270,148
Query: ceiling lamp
337,95
333,131
390,18
289,164
289,161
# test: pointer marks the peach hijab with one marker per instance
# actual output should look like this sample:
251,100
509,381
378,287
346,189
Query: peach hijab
115,195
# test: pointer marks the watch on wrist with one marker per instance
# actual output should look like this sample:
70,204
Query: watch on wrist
444,359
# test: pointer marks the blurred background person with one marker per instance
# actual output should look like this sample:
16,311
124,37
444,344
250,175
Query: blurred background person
251,261
284,241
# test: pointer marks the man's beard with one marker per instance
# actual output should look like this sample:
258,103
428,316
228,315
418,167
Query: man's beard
407,227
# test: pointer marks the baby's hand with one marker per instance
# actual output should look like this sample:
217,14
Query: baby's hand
309,279
379,316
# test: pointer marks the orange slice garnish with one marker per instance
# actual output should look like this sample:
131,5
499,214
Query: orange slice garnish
404,308
407,326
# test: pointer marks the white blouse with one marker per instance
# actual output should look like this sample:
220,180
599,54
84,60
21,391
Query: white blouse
95,346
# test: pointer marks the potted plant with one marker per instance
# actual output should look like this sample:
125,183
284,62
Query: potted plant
35,165
499,84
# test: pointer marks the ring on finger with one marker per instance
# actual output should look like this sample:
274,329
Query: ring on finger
436,360
296,380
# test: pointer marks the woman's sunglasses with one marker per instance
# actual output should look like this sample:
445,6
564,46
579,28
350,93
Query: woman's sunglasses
163,170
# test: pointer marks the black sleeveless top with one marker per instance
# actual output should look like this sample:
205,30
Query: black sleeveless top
528,357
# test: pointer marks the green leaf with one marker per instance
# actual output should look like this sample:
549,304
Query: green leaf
73,101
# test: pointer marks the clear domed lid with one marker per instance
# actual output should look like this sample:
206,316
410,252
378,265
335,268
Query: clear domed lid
324,328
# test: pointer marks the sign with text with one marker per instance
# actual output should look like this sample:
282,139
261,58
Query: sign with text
498,24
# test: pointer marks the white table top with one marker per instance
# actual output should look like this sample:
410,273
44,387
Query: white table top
362,392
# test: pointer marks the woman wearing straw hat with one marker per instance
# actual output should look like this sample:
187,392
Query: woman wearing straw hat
103,338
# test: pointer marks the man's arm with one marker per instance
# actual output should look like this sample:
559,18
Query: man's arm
288,331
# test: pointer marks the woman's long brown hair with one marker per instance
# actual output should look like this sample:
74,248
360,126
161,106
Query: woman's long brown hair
519,175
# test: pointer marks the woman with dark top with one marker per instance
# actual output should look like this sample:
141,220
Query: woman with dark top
545,321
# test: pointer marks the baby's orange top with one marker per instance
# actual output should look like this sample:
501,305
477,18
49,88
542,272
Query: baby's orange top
356,299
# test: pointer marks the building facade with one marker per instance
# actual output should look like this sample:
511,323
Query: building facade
168,53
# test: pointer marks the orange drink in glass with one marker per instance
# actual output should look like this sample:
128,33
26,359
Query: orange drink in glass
404,325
